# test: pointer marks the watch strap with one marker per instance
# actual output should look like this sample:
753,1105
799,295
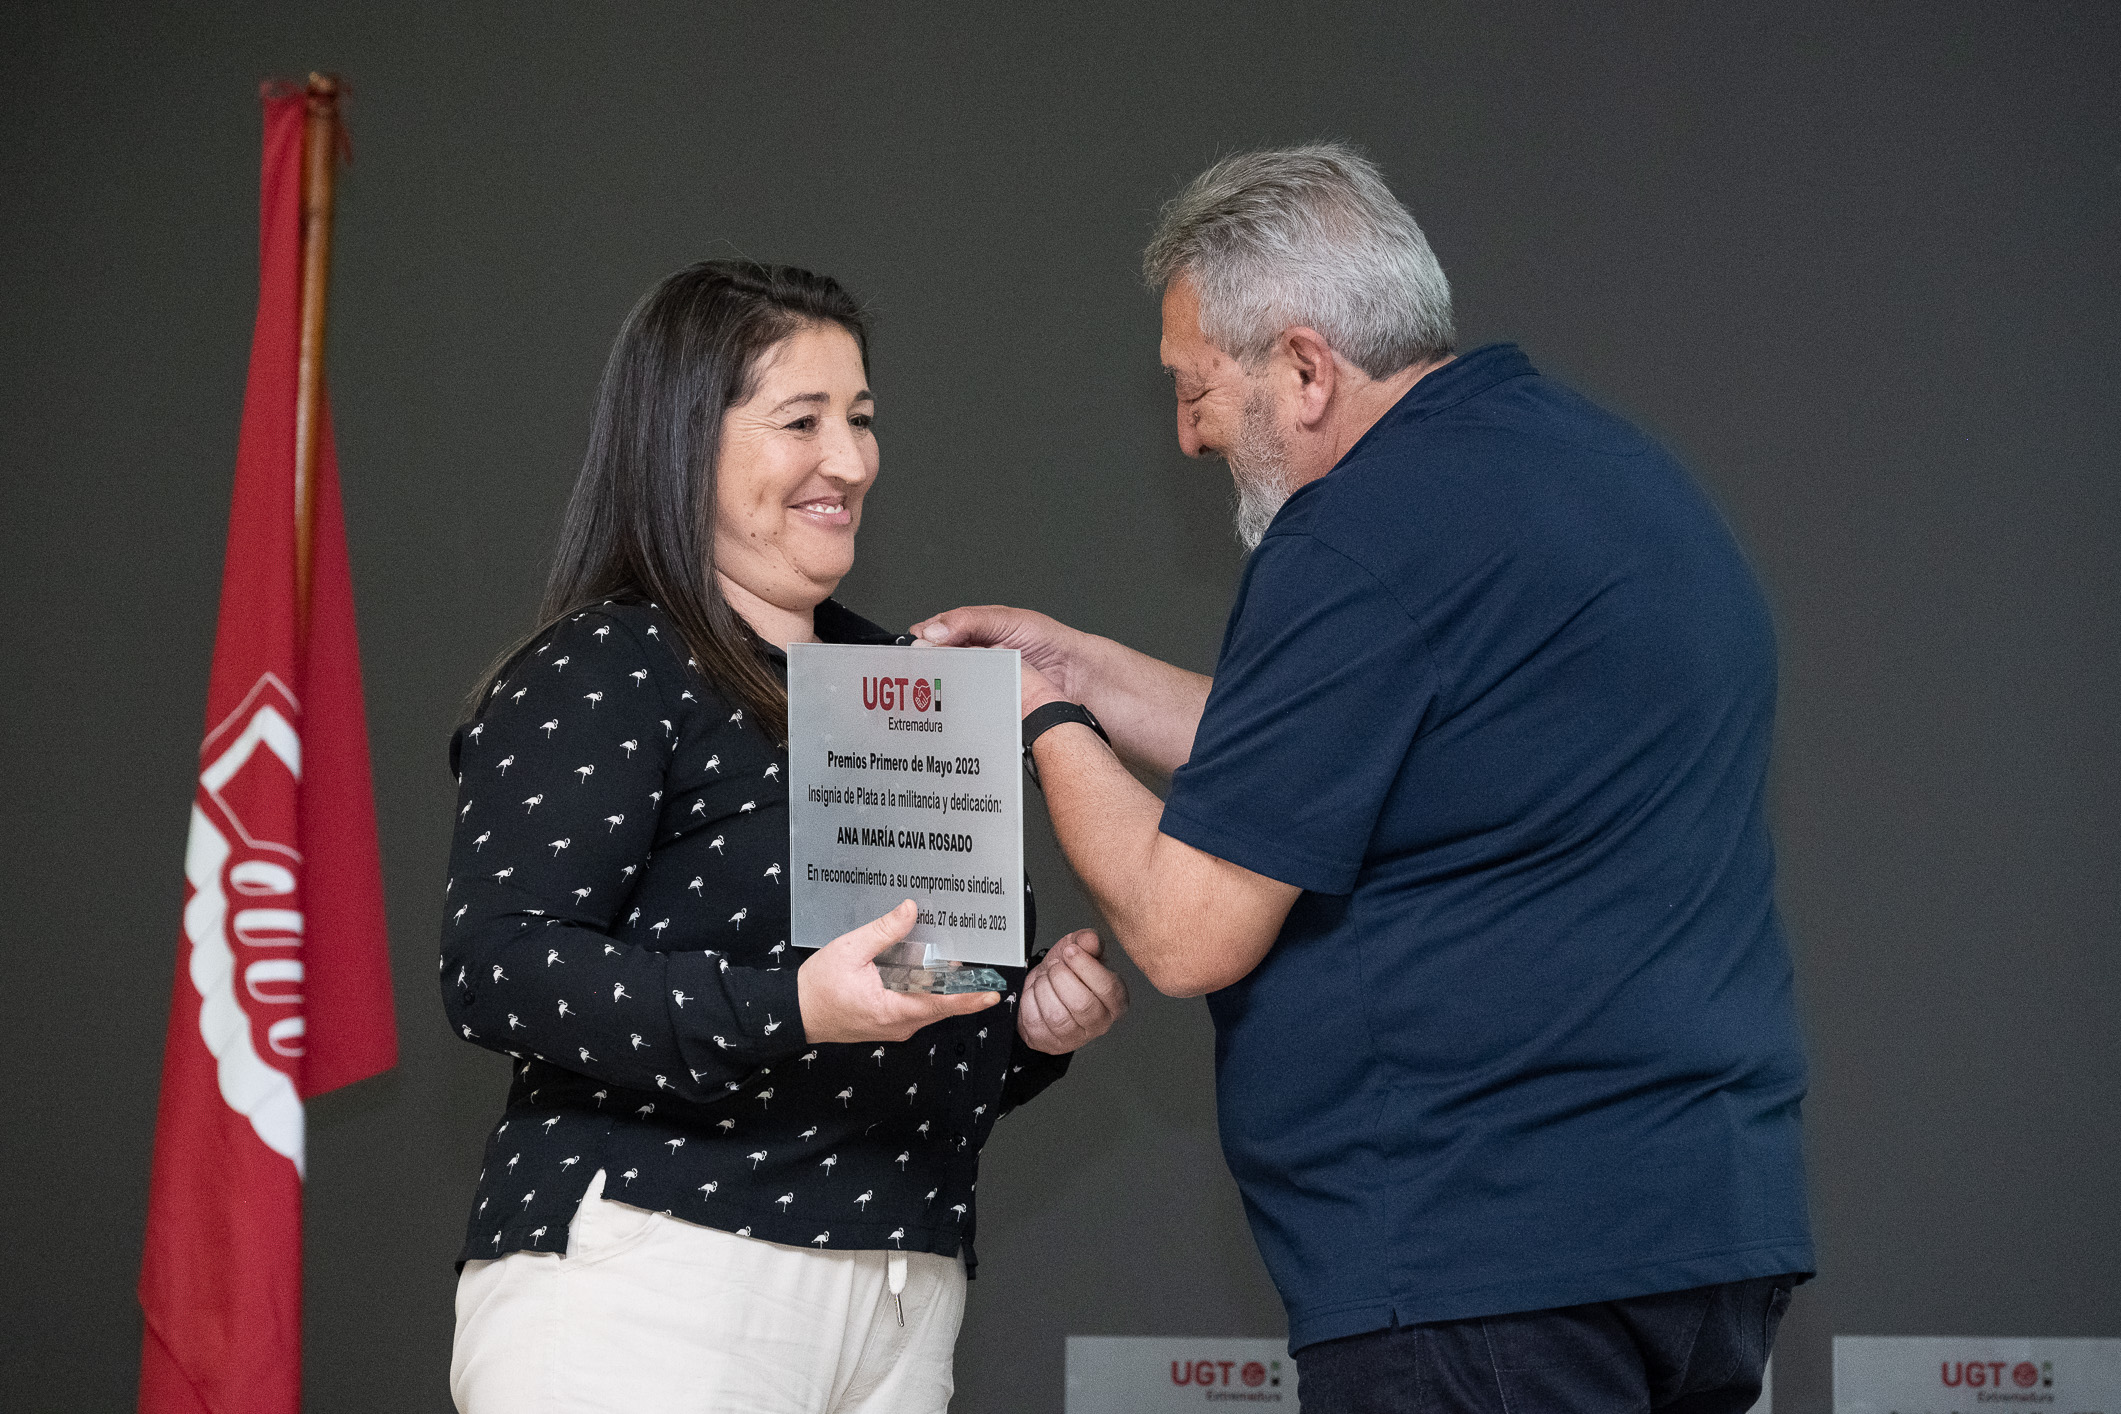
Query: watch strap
1041,720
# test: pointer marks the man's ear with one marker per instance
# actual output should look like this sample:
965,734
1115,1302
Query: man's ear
1317,375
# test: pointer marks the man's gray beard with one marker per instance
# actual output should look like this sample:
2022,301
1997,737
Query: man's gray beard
1259,464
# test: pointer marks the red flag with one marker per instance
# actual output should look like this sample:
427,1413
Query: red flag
283,981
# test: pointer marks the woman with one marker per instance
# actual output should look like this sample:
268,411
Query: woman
723,1180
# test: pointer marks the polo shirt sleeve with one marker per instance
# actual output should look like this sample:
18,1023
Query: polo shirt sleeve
1321,686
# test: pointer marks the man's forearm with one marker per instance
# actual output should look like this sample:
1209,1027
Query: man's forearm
1151,708
1191,922
1106,822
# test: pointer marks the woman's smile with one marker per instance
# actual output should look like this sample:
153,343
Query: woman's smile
825,510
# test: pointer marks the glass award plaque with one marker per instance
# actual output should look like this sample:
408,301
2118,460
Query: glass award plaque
903,783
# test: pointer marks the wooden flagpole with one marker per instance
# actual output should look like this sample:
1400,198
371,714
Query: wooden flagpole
320,151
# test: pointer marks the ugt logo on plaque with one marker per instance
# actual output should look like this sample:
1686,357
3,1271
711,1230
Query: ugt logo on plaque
903,783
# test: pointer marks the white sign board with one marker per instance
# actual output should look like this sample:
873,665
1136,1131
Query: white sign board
904,782
1143,1374
1972,1375
1110,1374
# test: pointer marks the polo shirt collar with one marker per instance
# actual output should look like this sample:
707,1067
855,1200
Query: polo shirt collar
1467,376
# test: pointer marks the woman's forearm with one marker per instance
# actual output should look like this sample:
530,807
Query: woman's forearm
673,1024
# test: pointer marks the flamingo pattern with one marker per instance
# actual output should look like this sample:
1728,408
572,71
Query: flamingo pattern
638,978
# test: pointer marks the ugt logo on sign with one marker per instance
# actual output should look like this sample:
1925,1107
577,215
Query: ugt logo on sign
1976,1373
1217,1372
892,695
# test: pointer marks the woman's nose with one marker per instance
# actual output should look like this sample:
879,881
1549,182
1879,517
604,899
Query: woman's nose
846,458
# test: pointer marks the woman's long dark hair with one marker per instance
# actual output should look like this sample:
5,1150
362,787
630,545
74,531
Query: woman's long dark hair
640,525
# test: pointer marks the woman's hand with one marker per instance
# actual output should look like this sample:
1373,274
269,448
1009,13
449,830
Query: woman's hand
1071,998
844,999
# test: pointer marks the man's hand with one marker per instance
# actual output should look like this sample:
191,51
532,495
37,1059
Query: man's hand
1071,998
1151,708
1035,689
1048,645
845,999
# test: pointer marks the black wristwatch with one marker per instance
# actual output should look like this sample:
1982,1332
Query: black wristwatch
1041,720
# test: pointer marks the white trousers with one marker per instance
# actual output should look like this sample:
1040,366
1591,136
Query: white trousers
648,1314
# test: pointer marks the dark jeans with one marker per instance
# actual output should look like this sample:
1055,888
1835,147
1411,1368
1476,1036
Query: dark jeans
1680,1352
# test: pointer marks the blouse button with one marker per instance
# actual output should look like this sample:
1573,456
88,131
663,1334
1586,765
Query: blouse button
961,1048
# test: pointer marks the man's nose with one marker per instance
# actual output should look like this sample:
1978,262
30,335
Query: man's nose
1188,432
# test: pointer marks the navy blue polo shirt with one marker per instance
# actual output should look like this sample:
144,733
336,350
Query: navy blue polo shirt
1497,694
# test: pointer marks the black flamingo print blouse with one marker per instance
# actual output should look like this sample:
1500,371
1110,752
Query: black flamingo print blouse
616,920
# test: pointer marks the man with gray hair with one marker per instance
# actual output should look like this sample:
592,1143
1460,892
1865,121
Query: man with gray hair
1465,840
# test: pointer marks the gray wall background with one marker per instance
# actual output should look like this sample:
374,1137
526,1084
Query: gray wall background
1856,263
